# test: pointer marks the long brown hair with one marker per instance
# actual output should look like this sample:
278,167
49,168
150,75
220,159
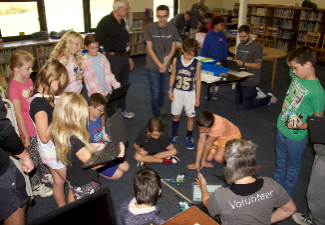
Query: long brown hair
155,124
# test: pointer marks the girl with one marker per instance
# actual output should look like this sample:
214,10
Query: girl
207,19
72,142
200,35
68,52
154,129
20,85
51,80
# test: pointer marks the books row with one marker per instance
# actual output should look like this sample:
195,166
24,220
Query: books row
223,11
311,16
308,26
285,13
284,46
261,11
3,68
5,55
302,36
148,13
283,23
258,20
138,39
42,61
139,49
285,34
45,50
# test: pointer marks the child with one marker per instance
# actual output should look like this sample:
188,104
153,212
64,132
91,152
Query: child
140,209
207,19
68,52
200,35
51,81
20,85
215,45
71,138
154,129
97,72
219,130
185,92
305,97
115,169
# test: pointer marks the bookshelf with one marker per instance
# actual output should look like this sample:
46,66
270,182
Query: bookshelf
293,22
136,23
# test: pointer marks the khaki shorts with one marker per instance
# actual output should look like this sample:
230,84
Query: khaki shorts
220,144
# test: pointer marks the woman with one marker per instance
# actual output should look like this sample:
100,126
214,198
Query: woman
247,200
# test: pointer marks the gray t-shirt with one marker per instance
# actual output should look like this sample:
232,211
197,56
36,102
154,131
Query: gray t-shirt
180,23
162,39
251,209
252,53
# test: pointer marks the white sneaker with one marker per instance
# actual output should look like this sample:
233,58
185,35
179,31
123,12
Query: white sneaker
128,114
47,178
43,191
273,99
260,93
302,219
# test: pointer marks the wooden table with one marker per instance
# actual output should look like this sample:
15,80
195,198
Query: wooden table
273,55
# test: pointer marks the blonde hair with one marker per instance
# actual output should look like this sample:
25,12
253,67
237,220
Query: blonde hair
70,118
52,70
64,48
17,59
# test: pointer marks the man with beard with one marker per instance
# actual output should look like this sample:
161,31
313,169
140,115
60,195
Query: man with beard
250,56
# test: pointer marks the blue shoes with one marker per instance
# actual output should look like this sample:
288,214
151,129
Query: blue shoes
189,142
173,139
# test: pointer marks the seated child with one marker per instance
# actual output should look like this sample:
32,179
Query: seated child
184,89
154,129
140,209
219,130
115,169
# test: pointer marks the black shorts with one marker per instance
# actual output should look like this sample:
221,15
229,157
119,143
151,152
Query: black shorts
13,194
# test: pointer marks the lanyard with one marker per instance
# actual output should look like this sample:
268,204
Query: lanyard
163,44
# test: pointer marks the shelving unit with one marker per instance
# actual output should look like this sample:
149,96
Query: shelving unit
293,22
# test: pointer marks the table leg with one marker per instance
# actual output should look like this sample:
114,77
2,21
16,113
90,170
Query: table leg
208,95
238,97
273,71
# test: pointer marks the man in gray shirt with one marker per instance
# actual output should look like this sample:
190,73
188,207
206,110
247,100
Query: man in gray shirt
161,39
195,14
250,56
182,21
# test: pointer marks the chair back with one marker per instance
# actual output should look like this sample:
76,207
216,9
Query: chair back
312,39
271,36
2,93
11,114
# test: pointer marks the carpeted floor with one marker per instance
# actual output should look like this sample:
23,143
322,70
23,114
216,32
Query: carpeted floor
258,125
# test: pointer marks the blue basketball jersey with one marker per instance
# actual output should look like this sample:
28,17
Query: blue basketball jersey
185,75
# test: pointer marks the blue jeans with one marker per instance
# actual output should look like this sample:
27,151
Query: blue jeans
158,88
247,96
288,161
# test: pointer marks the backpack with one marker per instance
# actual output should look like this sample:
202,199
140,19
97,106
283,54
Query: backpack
309,4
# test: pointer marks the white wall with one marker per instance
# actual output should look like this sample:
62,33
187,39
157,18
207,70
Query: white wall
185,5
140,5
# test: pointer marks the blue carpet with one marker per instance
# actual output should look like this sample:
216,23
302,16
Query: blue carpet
258,125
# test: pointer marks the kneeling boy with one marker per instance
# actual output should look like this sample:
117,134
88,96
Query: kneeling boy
219,130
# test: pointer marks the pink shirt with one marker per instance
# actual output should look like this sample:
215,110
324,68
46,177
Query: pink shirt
73,85
200,37
21,92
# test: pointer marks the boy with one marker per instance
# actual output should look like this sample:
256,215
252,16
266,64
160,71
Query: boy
305,97
115,169
219,130
215,45
184,93
139,210
232,21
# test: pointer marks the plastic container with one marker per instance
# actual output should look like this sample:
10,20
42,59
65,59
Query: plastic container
217,71
232,32
204,63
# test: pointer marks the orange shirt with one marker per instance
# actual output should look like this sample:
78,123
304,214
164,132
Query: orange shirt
223,129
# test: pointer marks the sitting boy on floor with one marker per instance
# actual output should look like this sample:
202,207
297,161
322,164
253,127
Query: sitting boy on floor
219,130
140,209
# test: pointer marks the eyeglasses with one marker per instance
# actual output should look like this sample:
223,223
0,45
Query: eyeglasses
100,110
127,9
164,16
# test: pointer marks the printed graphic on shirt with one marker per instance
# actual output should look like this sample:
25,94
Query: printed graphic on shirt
163,36
185,75
294,97
250,200
26,93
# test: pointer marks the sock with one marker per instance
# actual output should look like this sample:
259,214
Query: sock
189,133
175,128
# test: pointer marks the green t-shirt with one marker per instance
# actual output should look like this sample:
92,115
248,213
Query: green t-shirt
304,97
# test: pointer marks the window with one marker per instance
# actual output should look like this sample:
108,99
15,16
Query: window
64,15
99,9
18,17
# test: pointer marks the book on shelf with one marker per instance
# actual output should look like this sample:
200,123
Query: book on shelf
311,16
45,50
5,55
223,11
139,49
309,26
284,46
286,34
284,13
255,20
148,13
283,23
260,11
138,38
138,25
302,36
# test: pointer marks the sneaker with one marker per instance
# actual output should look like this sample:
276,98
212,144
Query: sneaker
260,93
172,159
139,164
128,114
273,99
162,111
47,178
214,95
43,191
189,142
173,139
303,219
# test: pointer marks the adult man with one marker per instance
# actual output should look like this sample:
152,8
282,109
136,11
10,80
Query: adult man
13,196
114,37
161,44
182,21
232,20
195,14
250,56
